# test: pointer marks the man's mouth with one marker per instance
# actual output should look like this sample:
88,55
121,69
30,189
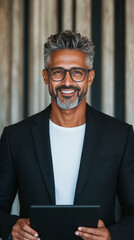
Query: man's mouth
67,91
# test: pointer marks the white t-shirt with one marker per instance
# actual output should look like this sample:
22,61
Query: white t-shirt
66,148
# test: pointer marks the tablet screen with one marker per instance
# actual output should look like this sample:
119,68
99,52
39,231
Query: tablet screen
61,221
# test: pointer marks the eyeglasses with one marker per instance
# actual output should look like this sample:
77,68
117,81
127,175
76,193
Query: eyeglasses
58,74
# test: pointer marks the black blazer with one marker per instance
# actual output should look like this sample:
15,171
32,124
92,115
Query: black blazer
106,169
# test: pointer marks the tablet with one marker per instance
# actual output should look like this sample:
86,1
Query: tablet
61,221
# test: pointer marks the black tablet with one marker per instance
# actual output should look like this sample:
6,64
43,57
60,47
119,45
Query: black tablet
60,222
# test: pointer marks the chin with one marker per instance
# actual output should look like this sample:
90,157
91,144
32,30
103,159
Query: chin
67,104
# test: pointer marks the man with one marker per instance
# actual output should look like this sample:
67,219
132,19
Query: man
69,153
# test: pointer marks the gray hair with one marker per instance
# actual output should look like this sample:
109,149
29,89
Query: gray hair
69,40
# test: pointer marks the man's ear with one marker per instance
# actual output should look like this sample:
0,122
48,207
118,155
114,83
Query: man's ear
91,76
45,76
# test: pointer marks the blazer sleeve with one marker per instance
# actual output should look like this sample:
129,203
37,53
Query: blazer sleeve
124,229
8,187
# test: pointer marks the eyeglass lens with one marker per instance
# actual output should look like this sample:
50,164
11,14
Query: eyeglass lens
59,74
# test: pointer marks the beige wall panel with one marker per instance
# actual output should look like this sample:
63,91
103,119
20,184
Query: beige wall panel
67,14
108,57
5,29
42,96
83,24
48,27
16,106
43,22
83,17
130,61
50,23
34,53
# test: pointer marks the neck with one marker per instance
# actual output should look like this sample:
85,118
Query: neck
69,117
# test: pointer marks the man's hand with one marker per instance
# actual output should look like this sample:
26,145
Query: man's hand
22,230
99,233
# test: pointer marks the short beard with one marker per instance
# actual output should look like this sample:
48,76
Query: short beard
66,104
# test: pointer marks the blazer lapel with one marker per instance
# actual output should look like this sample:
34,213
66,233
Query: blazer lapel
89,149
42,145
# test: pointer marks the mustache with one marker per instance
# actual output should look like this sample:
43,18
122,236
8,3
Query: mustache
67,87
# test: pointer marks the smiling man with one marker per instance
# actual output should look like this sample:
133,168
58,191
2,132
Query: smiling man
70,94
69,153
68,77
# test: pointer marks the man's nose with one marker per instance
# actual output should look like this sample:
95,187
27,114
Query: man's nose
67,80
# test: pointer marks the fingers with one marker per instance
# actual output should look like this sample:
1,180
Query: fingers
20,237
99,233
88,233
22,230
101,223
86,236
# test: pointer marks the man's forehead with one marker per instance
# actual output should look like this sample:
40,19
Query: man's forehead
68,56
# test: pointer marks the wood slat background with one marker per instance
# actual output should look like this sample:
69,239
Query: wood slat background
22,91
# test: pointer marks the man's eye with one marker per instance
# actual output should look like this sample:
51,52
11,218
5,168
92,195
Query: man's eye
57,72
77,72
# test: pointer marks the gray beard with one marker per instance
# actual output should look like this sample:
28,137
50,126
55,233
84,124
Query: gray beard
66,104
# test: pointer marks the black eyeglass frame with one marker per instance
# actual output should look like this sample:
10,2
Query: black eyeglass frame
68,70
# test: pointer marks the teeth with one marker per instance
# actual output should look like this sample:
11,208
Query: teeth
69,91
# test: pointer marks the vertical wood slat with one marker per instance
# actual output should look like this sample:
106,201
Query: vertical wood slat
129,104
41,25
83,17
34,56
26,59
5,49
97,37
16,102
50,27
67,14
83,25
108,57
59,15
44,98
119,61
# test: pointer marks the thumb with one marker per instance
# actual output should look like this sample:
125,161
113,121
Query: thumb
28,221
101,224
